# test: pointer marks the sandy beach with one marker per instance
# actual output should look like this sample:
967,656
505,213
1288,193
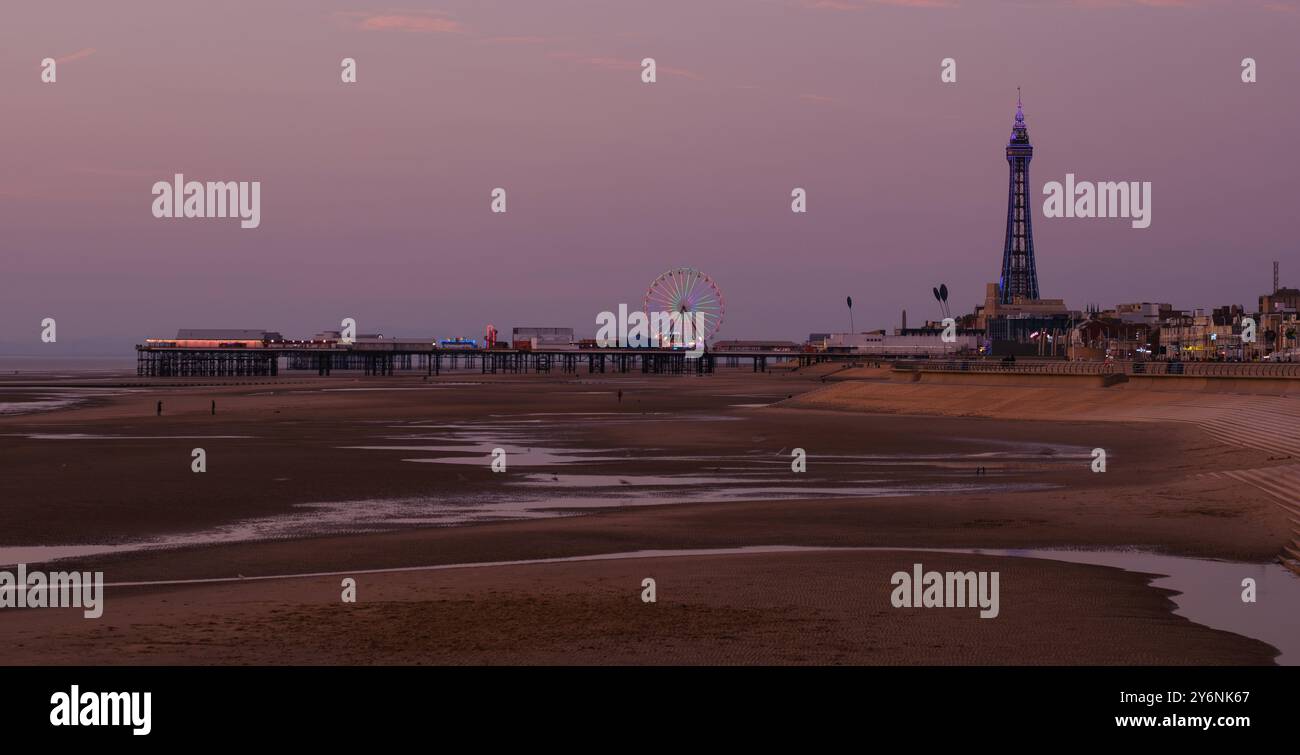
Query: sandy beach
308,475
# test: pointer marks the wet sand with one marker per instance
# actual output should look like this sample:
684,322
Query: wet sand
801,608
72,485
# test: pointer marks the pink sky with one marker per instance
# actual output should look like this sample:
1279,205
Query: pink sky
375,195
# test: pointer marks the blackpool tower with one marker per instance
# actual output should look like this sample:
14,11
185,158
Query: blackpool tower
1019,276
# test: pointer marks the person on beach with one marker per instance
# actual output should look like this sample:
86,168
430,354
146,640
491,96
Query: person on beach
620,395
214,407
159,408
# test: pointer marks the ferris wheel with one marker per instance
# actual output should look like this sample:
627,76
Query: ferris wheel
693,296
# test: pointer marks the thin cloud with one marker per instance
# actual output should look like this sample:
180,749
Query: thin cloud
1282,6
852,5
418,22
1133,3
820,99
516,40
831,5
421,24
78,55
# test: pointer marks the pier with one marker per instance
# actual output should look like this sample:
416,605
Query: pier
387,359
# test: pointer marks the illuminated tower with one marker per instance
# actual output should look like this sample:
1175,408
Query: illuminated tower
1019,276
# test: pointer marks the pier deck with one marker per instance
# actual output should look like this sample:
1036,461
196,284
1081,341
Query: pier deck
382,359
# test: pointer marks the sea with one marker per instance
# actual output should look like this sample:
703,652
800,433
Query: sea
33,384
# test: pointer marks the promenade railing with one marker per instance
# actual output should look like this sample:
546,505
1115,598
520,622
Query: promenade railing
1117,367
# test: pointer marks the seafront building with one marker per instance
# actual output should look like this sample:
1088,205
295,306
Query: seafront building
542,338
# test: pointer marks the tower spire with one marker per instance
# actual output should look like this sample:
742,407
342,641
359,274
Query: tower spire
1019,132
1019,274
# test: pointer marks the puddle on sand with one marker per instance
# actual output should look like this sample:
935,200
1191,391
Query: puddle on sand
568,480
560,478
525,444
35,554
1210,591
563,414
48,399
480,454
305,520
383,389
387,515
548,489
89,436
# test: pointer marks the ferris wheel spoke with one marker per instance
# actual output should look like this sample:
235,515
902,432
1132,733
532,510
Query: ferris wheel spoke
674,287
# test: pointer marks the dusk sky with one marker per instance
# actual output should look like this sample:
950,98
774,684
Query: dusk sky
375,195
